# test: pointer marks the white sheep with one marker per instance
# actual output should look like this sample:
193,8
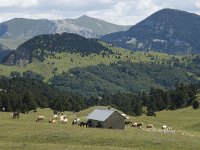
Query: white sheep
40,118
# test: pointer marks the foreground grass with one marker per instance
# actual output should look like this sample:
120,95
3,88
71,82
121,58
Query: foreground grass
25,133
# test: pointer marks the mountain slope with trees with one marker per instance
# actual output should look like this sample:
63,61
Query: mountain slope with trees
167,31
26,92
4,52
44,46
124,77
62,62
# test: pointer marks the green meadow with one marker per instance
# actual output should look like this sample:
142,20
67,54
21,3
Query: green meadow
26,134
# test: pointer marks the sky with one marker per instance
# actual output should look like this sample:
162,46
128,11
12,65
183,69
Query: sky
124,12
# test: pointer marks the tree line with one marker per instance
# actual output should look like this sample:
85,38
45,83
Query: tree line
27,92
156,100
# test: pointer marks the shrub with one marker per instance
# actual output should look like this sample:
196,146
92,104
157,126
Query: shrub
195,104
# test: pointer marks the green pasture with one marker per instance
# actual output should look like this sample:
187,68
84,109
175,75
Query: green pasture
26,134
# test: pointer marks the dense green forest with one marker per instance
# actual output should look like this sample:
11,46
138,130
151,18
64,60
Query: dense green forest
156,100
65,42
27,92
124,77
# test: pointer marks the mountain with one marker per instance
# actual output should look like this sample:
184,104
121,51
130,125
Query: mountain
43,46
4,52
14,32
89,67
168,30
58,62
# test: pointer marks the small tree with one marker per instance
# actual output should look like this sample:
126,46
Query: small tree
15,74
138,109
28,101
150,112
195,104
32,75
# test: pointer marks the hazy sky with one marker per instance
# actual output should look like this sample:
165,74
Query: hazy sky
116,11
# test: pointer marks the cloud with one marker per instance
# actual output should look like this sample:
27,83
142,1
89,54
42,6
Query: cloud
127,12
18,3
197,4
115,11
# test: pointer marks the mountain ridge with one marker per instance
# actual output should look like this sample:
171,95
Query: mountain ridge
22,29
168,30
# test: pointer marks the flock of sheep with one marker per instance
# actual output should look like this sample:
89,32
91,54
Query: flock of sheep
150,127
61,118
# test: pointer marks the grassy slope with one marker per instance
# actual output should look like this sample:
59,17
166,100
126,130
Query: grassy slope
12,43
68,61
25,133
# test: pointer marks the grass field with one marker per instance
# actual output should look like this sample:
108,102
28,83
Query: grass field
25,134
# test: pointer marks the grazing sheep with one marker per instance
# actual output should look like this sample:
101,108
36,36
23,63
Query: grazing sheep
76,121
83,124
129,122
164,127
40,118
52,121
139,125
169,128
134,125
15,115
63,121
150,126
55,117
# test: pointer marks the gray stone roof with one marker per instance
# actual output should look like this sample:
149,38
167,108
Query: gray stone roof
100,114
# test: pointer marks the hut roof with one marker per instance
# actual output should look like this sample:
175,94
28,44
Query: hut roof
100,115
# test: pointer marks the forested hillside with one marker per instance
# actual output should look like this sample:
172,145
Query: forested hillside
168,31
50,64
43,46
125,77
27,92
4,52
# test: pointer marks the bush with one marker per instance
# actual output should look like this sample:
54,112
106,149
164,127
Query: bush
150,112
195,104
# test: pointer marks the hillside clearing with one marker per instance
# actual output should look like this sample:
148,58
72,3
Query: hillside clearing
64,61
